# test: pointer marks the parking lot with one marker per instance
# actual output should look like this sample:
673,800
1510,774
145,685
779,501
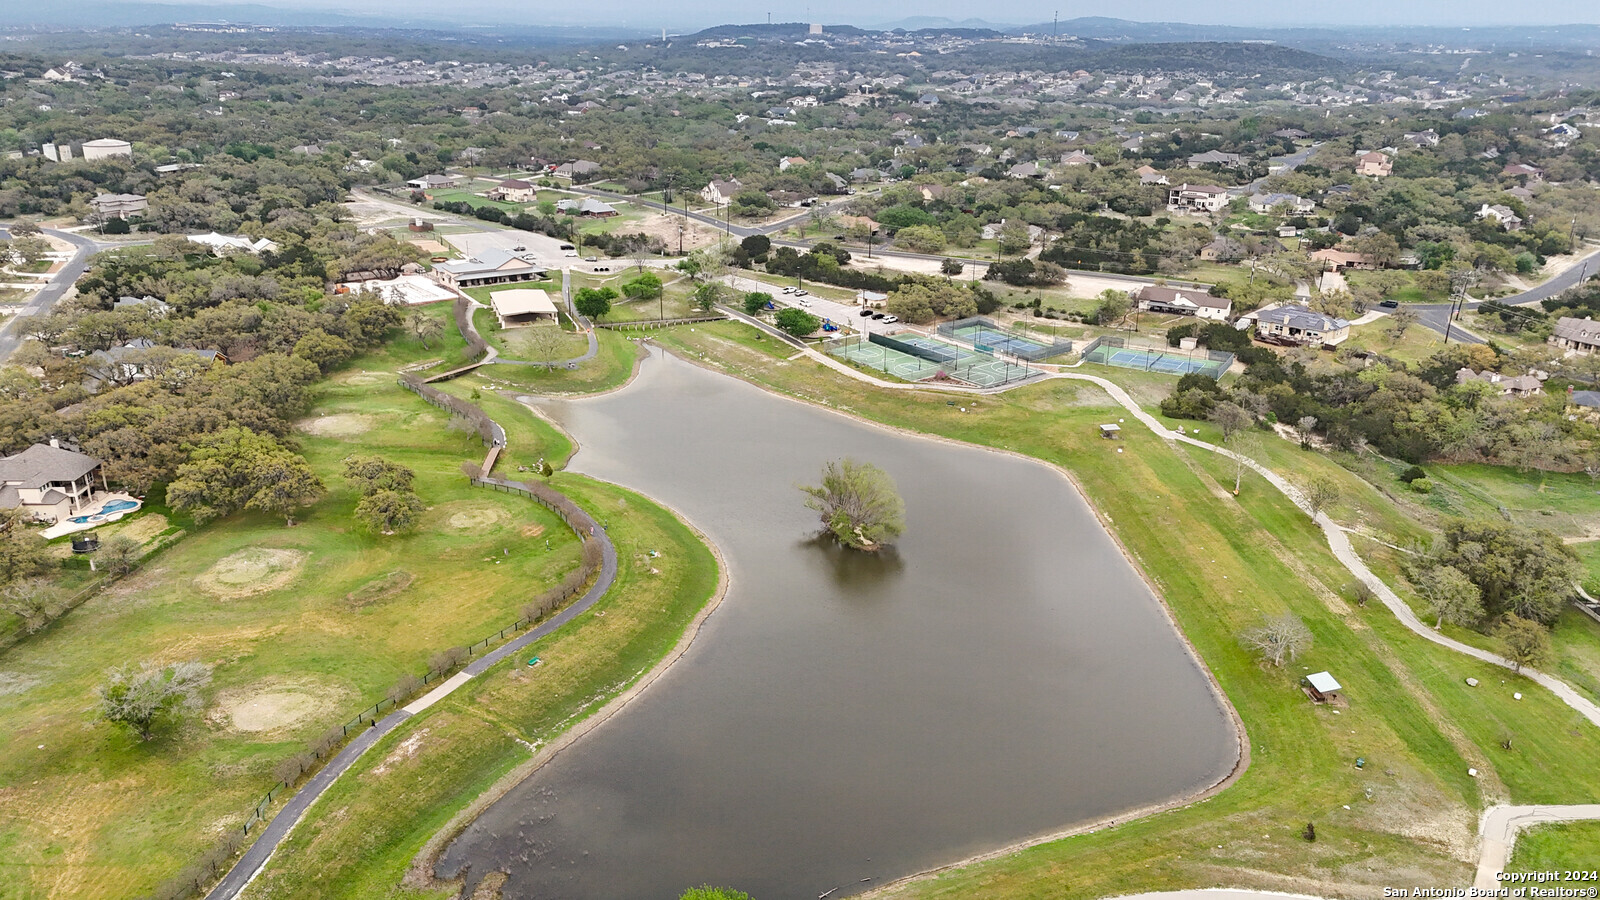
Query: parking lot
545,250
847,315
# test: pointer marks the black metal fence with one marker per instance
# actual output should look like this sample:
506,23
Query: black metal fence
488,429
658,323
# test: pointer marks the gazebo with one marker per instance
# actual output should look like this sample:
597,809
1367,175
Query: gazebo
1322,686
522,306
1112,431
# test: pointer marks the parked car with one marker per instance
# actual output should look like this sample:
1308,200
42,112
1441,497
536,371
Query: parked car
866,312
890,320
804,302
571,255
1389,304
568,247
877,315
518,248
788,290
799,293
591,259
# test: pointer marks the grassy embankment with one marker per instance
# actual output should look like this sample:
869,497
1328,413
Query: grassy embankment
360,838
304,626
1558,848
1223,564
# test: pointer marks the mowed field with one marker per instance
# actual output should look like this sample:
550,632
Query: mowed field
305,626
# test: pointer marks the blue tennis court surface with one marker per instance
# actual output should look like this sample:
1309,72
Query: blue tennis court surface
1175,363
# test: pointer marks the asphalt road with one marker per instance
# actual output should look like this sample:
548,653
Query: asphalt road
1437,315
11,332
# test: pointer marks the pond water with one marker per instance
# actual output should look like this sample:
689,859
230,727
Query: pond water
844,719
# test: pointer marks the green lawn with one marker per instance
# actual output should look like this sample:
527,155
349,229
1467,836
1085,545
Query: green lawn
1411,809
1410,290
1414,346
1558,848
360,839
610,368
91,811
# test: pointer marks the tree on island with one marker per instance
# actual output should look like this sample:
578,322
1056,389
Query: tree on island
858,503
707,892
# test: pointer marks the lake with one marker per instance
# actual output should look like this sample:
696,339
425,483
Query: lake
844,719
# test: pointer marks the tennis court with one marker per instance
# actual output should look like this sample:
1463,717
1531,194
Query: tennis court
987,336
1174,363
953,362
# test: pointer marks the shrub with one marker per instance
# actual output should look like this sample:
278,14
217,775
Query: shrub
1422,485
1410,475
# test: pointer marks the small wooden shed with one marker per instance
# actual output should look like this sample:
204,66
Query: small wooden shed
1322,686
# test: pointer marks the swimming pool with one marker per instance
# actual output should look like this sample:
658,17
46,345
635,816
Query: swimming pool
110,507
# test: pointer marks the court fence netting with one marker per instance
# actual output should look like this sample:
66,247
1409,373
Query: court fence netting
987,335
914,357
1114,350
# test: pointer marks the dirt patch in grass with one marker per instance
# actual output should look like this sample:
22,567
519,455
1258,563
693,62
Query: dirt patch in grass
342,425
255,570
467,515
380,588
15,683
360,379
532,531
407,750
273,705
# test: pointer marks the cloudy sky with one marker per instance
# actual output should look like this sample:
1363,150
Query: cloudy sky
698,13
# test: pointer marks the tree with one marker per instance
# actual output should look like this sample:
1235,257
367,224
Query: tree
797,322
547,344
859,504
1279,640
371,474
645,287
1526,642
1305,427
708,295
921,239
326,351
390,511
1450,596
756,246
1231,418
1400,320
756,301
1519,570
1321,492
29,600
1114,304
423,326
235,469
22,551
950,266
594,302
1014,237
152,695
118,554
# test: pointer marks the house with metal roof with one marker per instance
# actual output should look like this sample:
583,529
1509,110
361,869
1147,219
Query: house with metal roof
1182,301
1300,325
487,267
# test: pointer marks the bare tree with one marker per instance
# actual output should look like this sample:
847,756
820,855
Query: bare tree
1400,320
1321,492
1231,418
1279,640
1304,428
1245,445
546,344
28,600
142,699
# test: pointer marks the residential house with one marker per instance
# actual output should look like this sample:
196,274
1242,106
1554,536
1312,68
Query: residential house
789,162
1578,335
434,182
581,168
586,207
488,267
1203,198
1077,158
1182,301
1504,216
236,243
1587,399
1148,175
1419,139
1025,170
1374,164
1222,248
119,206
1216,158
1293,134
992,231
792,199
1514,385
931,192
1300,325
1522,170
514,190
48,482
130,362
1267,203
1562,135
721,193
156,305
928,100
1336,260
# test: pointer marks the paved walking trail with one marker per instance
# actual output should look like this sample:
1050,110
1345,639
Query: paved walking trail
1499,832
255,858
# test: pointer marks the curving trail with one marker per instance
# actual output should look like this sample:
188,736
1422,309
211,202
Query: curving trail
1499,828
255,858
